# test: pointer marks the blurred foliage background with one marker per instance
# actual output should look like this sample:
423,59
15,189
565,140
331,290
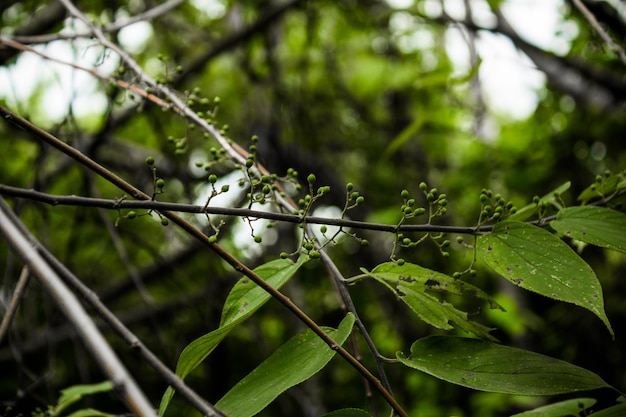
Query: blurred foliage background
380,94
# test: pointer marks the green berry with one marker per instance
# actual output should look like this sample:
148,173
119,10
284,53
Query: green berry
160,183
400,261
349,186
164,221
311,178
314,254
323,228
258,239
365,242
360,200
423,186
404,194
150,161
212,178
131,214
212,239
284,255
249,163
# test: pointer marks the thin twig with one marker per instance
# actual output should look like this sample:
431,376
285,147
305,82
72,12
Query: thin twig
117,204
117,325
67,302
149,14
18,293
600,30
196,233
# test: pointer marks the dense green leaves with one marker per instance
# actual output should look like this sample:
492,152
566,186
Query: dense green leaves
536,260
244,299
297,360
598,226
487,366
417,286
561,409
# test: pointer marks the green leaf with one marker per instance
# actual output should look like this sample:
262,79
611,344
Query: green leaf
243,300
414,284
74,393
531,209
487,366
297,360
90,412
534,259
594,225
348,412
561,409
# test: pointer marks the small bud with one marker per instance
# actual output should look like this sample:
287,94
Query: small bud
160,183
164,221
314,254
212,178
423,186
323,228
360,200
150,161
311,178
404,194
400,262
258,239
349,186
225,188
131,214
212,239
284,255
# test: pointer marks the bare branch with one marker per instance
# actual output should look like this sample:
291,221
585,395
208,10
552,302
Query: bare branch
123,382
18,293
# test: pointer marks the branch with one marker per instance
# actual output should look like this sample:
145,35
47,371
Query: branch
149,14
117,204
67,302
196,233
600,31
18,293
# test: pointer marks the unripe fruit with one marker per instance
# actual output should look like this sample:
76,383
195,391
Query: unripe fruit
212,239
314,254
323,229
349,186
311,178
131,214
212,178
258,239
150,161
423,186
225,188
404,194
400,261
164,221
160,183
360,200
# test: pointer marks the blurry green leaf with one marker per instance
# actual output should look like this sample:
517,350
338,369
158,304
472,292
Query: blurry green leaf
605,188
487,366
412,284
348,412
243,300
531,209
594,225
534,259
410,131
561,409
74,393
301,357
90,412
